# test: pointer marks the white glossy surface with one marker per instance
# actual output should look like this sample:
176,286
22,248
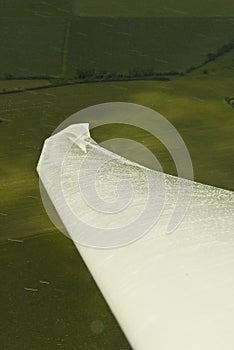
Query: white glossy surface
166,291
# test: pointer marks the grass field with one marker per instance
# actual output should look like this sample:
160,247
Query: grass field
120,8
165,44
153,8
58,47
9,85
222,67
30,8
50,305
31,46
46,39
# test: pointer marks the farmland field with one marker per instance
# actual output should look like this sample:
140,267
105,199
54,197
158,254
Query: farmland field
29,47
31,8
165,44
44,38
9,85
222,67
120,8
153,8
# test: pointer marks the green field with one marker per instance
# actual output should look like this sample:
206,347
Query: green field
120,8
49,305
11,85
48,39
222,67
31,8
164,44
154,8
31,46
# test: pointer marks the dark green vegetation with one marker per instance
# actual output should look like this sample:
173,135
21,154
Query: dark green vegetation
222,51
30,48
120,45
22,84
153,8
50,300
230,101
120,8
47,39
31,8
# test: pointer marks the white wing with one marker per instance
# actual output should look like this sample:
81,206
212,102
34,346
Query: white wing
166,291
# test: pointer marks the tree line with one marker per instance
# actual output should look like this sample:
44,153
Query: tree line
93,75
213,56
133,73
